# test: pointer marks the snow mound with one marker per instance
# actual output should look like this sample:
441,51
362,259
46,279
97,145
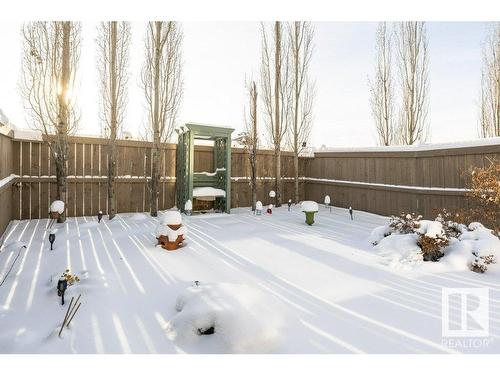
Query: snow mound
171,218
379,233
430,228
309,206
227,318
57,206
400,251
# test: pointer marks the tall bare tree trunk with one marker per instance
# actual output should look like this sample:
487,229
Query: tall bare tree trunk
155,172
253,160
62,131
277,137
113,123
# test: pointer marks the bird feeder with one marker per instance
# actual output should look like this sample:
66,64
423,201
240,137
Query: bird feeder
170,232
309,208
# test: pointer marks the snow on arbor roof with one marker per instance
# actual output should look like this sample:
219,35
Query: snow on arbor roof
309,206
207,191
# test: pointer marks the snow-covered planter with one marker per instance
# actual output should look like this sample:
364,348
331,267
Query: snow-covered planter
227,318
309,208
56,209
170,232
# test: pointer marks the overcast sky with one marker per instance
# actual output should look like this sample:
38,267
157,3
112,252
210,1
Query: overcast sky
219,55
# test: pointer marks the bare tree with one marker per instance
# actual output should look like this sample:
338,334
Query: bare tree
382,88
163,88
489,118
51,51
249,138
276,93
113,43
413,63
301,48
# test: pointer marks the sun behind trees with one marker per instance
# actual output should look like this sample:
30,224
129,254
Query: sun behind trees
51,51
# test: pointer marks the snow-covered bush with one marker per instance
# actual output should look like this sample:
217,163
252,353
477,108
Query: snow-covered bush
483,197
410,242
480,264
450,226
227,318
405,223
432,247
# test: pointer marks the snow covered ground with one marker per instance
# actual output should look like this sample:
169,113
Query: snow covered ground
267,283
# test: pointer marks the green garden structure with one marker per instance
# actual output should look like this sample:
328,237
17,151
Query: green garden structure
214,185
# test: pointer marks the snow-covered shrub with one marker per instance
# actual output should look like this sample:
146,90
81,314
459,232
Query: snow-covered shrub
484,196
450,226
432,246
405,223
480,264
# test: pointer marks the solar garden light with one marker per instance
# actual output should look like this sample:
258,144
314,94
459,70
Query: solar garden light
327,202
188,207
62,285
258,208
99,216
289,204
309,208
270,209
52,238
350,212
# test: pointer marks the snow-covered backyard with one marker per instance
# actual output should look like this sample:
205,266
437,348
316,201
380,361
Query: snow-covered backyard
268,284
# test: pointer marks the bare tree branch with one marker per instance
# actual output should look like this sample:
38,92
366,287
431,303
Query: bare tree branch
382,88
489,116
163,89
411,41
113,44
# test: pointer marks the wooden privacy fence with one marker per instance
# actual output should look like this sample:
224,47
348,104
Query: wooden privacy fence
391,182
383,182
87,176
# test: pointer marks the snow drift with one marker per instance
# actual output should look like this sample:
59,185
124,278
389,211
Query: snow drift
239,318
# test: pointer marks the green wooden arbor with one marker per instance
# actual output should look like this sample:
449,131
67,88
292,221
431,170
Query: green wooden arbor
187,180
